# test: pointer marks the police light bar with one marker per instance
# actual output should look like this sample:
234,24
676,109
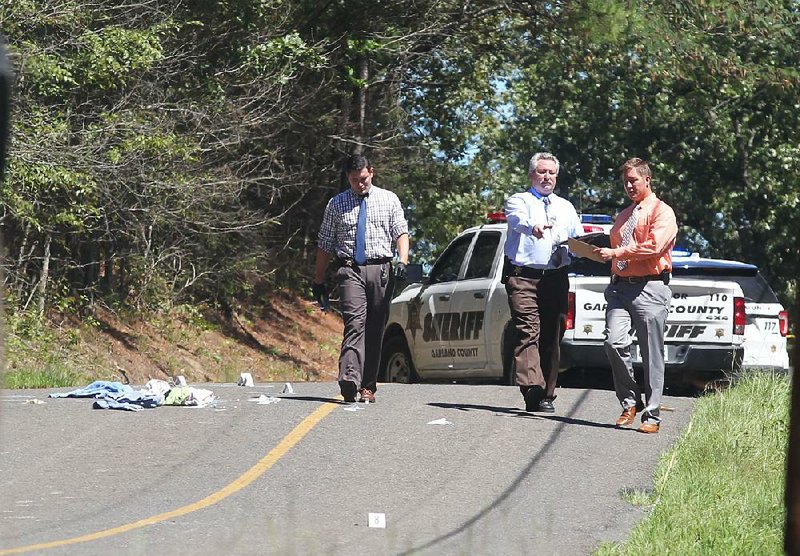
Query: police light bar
496,217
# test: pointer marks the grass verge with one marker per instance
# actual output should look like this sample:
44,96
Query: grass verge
719,490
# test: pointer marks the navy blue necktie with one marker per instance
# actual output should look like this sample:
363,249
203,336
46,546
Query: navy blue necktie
360,253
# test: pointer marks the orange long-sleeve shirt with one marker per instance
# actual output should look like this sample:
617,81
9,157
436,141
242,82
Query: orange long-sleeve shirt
650,249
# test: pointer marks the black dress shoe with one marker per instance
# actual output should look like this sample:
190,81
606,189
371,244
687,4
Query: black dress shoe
533,397
349,390
546,406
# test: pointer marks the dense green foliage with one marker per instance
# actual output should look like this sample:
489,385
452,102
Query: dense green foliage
720,488
165,152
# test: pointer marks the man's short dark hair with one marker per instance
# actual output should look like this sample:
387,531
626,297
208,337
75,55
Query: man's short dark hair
355,163
641,167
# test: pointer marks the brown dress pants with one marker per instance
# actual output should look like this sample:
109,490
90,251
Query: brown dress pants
365,293
538,311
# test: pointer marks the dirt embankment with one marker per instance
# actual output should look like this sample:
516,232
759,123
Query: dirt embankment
286,339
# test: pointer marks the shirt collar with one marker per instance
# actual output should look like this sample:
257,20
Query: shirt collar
538,195
648,201
358,197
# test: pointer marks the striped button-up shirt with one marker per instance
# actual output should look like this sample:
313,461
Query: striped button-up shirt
650,249
385,223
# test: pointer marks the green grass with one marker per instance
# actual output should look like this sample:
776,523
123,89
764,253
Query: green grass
37,358
719,490
44,377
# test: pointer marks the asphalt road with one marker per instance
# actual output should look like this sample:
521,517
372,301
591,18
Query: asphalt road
302,476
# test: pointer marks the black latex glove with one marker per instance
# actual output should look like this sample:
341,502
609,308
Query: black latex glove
400,272
320,295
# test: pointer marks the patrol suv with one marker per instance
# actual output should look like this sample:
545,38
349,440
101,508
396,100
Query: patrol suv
456,323
699,305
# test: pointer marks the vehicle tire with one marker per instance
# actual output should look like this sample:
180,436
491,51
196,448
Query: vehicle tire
396,363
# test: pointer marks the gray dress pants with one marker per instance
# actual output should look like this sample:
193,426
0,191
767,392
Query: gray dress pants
642,308
365,293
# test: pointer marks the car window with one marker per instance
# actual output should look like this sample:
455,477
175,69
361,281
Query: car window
480,262
447,267
754,287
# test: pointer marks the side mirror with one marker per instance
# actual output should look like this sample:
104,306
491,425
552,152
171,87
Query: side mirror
413,273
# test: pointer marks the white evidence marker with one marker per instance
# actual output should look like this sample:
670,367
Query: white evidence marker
377,520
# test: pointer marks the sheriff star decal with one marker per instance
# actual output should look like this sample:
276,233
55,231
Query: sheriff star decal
413,324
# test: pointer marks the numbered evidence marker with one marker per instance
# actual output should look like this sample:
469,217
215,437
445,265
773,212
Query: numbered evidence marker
377,520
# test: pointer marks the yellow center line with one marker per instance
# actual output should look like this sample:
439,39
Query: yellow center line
242,481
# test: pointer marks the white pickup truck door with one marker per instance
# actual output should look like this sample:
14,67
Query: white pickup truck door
431,346
763,344
467,327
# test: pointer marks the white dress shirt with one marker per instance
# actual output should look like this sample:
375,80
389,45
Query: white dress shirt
524,211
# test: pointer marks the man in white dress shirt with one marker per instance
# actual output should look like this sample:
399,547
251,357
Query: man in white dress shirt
539,221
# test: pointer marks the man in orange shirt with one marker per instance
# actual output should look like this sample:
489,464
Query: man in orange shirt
638,296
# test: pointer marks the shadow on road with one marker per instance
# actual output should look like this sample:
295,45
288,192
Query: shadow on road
314,399
584,423
688,385
516,412
586,377
478,407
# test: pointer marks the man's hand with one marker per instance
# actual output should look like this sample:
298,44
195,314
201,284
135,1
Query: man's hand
400,271
320,295
539,229
605,253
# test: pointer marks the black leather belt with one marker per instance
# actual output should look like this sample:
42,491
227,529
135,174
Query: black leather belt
528,272
350,263
663,277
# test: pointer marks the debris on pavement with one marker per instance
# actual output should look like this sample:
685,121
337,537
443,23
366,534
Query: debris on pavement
115,395
190,396
245,379
263,399
441,421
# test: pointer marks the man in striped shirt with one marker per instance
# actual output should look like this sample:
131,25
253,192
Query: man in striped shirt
359,228
639,296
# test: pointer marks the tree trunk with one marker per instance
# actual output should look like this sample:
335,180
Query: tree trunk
45,274
21,264
363,75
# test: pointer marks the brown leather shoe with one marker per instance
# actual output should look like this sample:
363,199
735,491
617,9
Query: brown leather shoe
649,428
367,395
627,416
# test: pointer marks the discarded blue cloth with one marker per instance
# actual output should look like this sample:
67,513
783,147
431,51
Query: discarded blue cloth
110,403
96,389
139,399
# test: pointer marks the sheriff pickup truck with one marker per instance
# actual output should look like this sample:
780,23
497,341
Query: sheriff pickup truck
455,324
